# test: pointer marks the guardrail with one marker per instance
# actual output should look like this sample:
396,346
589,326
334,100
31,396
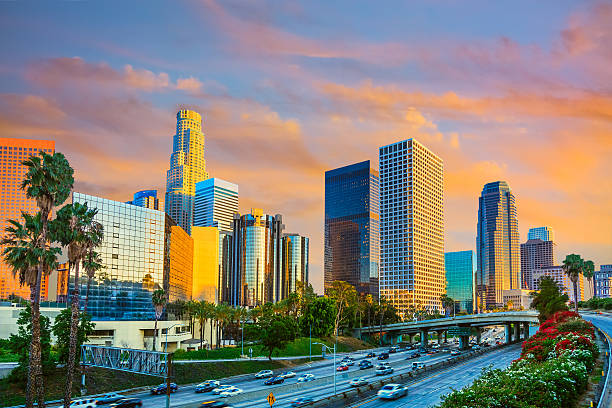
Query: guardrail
601,394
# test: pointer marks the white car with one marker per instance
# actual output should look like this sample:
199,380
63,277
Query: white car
264,374
287,374
475,347
392,391
384,369
84,403
221,389
358,382
306,378
230,392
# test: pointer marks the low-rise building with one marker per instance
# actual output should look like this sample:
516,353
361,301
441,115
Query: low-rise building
602,280
557,273
517,299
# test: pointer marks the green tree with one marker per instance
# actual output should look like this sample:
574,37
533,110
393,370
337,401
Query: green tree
275,331
91,263
549,299
588,270
19,344
448,304
318,315
159,300
345,296
572,267
61,331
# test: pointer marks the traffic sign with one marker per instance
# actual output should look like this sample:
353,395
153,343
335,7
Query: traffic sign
459,331
271,399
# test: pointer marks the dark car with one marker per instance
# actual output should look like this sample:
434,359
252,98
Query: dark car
274,380
383,356
215,404
392,350
127,403
365,364
371,354
161,389
301,401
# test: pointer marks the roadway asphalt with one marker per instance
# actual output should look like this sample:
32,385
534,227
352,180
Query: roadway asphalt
604,322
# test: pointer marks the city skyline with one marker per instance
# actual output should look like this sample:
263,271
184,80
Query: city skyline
371,89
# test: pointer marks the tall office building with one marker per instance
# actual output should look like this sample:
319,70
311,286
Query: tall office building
13,201
227,279
352,227
142,250
602,281
295,262
205,263
543,233
187,167
558,275
535,254
461,279
145,198
411,226
497,246
216,202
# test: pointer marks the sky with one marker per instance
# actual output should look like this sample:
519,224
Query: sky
518,91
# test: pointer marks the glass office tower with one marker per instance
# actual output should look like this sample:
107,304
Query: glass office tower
187,167
543,233
411,226
13,200
352,227
295,262
146,198
460,279
216,202
142,251
497,246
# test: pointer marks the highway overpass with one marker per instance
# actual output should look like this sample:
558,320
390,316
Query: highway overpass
516,322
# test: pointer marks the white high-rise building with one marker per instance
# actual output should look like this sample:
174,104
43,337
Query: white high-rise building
216,202
412,269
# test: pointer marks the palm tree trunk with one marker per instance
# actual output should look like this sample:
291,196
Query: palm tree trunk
575,295
211,333
155,332
74,327
382,315
35,378
87,294
201,333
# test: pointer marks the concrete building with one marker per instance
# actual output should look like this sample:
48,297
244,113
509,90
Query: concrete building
535,254
497,246
216,202
145,198
187,168
13,201
411,226
556,272
519,299
205,263
543,233
352,238
461,279
602,281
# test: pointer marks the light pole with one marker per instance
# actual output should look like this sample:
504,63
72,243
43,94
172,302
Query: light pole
168,367
334,350
242,341
310,341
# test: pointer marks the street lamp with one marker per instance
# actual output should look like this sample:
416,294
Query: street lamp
334,350
168,368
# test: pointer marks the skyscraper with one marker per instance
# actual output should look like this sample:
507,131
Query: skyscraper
13,201
205,263
146,199
535,254
187,167
461,279
497,246
295,262
411,226
352,227
216,202
543,233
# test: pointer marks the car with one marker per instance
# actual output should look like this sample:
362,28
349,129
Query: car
365,364
221,388
348,361
475,347
384,369
274,380
207,386
301,401
358,382
215,404
455,353
342,367
83,403
486,345
392,350
230,392
371,354
287,374
127,403
383,356
109,398
497,343
264,374
161,388
306,377
392,391
417,365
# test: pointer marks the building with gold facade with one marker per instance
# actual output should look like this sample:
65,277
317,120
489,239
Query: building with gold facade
412,273
205,263
13,201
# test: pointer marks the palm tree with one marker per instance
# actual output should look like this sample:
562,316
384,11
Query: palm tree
78,231
23,253
92,263
48,180
191,308
159,300
588,270
201,314
447,303
572,266
222,313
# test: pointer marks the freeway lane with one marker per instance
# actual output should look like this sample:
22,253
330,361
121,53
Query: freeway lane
604,322
425,392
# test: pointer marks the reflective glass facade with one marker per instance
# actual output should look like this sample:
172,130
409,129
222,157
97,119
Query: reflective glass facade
460,279
187,167
146,198
216,202
13,200
179,280
497,246
136,261
352,227
295,262
411,226
543,233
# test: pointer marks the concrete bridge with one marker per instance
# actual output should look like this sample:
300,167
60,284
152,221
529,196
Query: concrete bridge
460,326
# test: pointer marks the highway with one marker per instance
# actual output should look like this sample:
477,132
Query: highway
604,322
